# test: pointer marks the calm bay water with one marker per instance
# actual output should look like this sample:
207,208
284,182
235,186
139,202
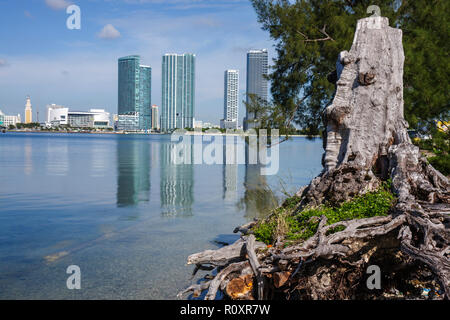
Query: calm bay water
115,206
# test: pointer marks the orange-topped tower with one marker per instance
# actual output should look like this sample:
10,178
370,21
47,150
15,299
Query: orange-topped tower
28,111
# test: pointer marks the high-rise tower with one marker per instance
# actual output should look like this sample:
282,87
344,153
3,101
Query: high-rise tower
257,84
178,91
134,90
231,100
145,103
28,111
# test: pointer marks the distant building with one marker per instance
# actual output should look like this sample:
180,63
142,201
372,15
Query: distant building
28,111
155,118
257,83
128,122
6,121
57,115
178,91
94,118
134,90
198,124
208,125
231,100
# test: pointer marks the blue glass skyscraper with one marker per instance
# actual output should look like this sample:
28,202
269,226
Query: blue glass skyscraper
257,84
134,90
178,91
145,102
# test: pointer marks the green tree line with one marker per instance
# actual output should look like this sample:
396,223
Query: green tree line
308,36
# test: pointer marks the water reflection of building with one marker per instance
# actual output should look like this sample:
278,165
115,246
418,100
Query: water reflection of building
100,156
230,177
133,165
28,154
57,158
230,173
258,198
176,183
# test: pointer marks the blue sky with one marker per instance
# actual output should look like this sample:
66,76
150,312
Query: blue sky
39,56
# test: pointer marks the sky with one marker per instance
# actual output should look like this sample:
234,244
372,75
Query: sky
41,57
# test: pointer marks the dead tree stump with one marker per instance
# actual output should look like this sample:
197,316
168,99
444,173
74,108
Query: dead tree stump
366,142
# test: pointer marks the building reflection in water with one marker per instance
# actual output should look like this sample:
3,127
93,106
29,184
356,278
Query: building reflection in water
57,158
133,165
230,171
100,154
176,181
259,199
28,153
136,157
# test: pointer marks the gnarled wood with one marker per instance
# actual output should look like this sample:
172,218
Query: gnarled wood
366,142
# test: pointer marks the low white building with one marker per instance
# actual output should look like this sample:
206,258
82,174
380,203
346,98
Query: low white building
102,119
228,124
94,118
128,122
6,121
57,115
208,125
198,124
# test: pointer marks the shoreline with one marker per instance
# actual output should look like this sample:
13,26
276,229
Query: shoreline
191,133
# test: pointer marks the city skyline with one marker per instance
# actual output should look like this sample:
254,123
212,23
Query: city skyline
178,96
79,68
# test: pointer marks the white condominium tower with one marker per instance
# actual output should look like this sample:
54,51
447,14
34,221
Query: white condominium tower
178,91
231,100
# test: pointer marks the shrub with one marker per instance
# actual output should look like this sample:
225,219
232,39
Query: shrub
303,225
441,163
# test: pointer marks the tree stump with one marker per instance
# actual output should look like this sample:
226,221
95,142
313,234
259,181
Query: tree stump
366,143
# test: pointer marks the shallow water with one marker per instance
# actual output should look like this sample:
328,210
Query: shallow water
115,206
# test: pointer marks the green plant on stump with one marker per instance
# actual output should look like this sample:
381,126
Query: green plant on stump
295,227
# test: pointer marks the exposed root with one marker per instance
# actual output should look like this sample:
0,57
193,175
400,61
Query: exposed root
414,240
366,143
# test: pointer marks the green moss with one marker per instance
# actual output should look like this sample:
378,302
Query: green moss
303,225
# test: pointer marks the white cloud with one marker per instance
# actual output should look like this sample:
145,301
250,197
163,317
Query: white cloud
3,63
57,4
109,32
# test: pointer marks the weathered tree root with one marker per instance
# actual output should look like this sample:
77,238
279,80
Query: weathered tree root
410,234
418,230
366,143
